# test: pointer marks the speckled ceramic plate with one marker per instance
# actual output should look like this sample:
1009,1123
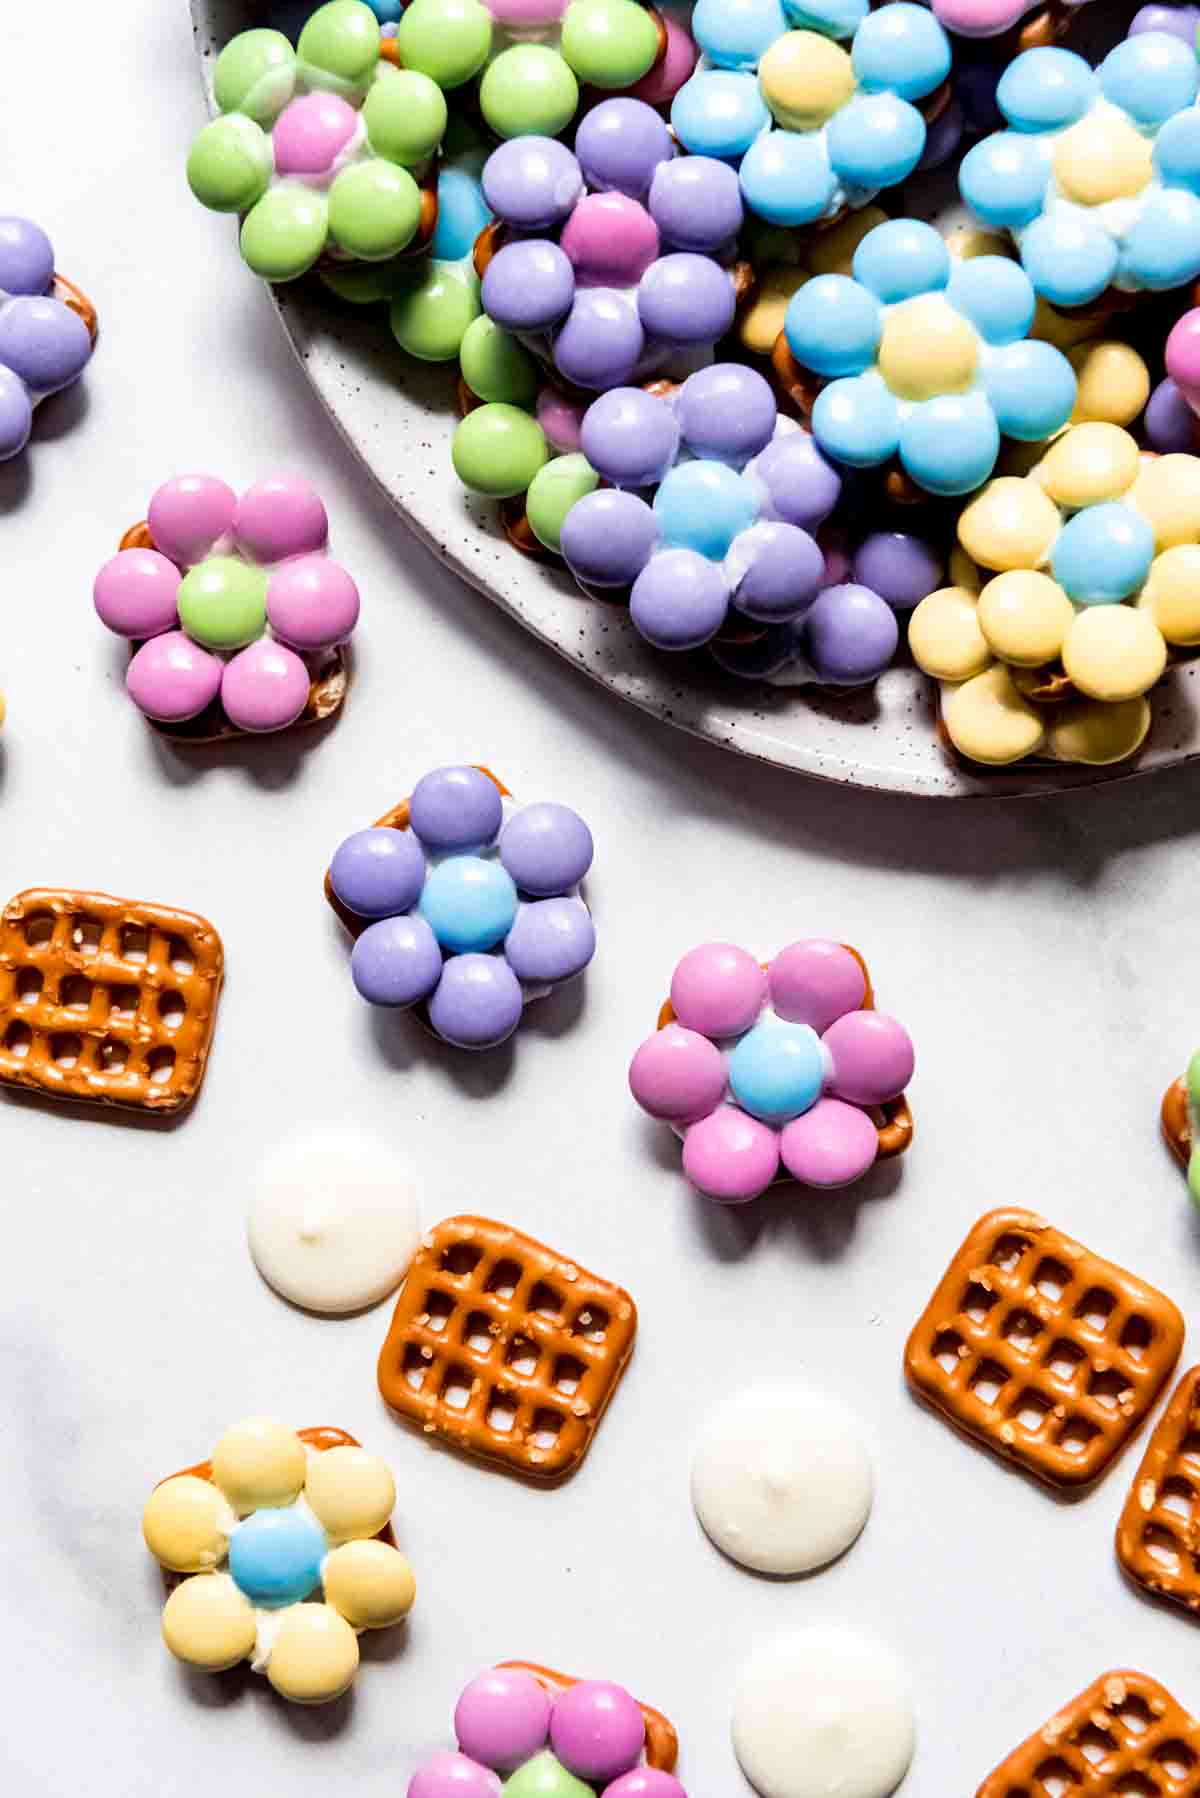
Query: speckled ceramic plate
398,417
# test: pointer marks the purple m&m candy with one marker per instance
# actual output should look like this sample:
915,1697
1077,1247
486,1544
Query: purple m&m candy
26,257
815,982
899,567
187,515
44,342
528,286
778,571
378,872
16,414
312,603
134,593
686,299
532,182
645,1782
453,1776
696,202
396,962
621,144
456,808
607,538
502,1718
1170,423
802,486
601,340
546,848
478,1002
280,516
727,412
872,1057
552,939
265,687
597,1729
172,679
850,635
679,600
630,437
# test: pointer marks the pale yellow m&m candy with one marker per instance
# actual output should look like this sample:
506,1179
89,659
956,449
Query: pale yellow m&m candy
963,572
1114,652
1089,463
1167,494
1113,383
945,638
1024,617
1102,158
927,348
805,78
1011,524
186,1524
966,241
259,1462
831,251
351,1493
315,1655
1087,730
989,721
763,318
1172,594
369,1584
208,1623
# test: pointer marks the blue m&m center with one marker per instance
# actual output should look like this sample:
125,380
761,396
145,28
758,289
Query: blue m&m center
778,1069
1097,177
275,1556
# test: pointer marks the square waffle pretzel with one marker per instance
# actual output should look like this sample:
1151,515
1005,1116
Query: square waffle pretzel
106,1000
1124,1735
662,1743
1041,1350
1158,1535
504,1348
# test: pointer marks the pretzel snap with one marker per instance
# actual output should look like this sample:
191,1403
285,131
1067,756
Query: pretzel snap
1125,1733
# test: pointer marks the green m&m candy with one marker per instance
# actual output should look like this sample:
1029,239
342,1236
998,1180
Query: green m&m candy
528,92
285,233
609,43
404,115
223,603
553,490
545,1777
256,75
359,283
497,450
496,366
374,209
339,48
229,164
431,313
1193,1079
448,40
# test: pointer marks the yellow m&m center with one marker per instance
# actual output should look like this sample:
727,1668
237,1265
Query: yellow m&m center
805,78
1102,158
927,349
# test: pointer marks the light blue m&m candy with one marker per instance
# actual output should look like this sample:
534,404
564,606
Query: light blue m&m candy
786,178
1177,150
950,444
1046,90
857,421
834,18
703,506
996,295
903,49
875,140
719,112
462,215
777,1070
733,34
1162,250
901,258
275,1556
1151,76
1103,554
469,903
833,325
1069,258
1031,386
1004,179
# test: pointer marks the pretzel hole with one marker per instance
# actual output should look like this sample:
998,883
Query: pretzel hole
456,1388
1051,1279
1176,1759
545,1302
75,993
123,1001
546,1427
478,1334
112,1055
1190,1446
567,1374
1063,1362
1074,1436
1176,1497
504,1279
1110,1389
415,1365
85,934
522,1356
1134,1716
18,1039
1136,1336
439,1307
29,985
65,1049
988,1382
1030,1411
1008,1251
180,957
1095,1308
977,1301
1054,1778
1021,1330
461,1259
591,1323
39,929
502,1414
159,1063
1095,1744
948,1350
1161,1546
172,1010
135,942
1136,1785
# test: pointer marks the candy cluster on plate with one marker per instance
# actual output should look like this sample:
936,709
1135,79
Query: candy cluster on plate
47,330
232,602
466,904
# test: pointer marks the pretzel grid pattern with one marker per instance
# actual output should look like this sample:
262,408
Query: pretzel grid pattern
504,1347
1124,1735
662,1743
107,1000
1158,1536
1041,1350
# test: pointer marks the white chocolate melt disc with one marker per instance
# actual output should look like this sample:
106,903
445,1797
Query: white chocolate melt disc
331,1227
824,1714
782,1482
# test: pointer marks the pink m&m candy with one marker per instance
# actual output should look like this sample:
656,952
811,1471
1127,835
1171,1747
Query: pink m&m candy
597,1729
664,79
815,982
281,516
1183,357
311,133
134,593
187,515
264,687
560,419
718,989
503,1718
312,603
522,14
731,1156
831,1145
645,1782
173,679
872,1057
610,240
678,1074
453,1776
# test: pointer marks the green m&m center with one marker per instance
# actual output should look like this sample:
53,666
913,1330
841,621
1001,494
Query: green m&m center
223,603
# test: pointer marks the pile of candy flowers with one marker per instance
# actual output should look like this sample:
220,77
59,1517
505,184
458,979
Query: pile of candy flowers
711,354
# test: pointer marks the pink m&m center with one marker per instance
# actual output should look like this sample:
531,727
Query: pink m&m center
238,600
521,1734
759,1069
313,133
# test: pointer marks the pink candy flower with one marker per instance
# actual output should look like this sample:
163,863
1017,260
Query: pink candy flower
789,1064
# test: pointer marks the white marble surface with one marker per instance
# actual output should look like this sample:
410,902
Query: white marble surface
1038,952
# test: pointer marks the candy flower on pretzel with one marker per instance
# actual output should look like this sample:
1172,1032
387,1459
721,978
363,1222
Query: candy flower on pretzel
47,330
789,1063
283,1542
